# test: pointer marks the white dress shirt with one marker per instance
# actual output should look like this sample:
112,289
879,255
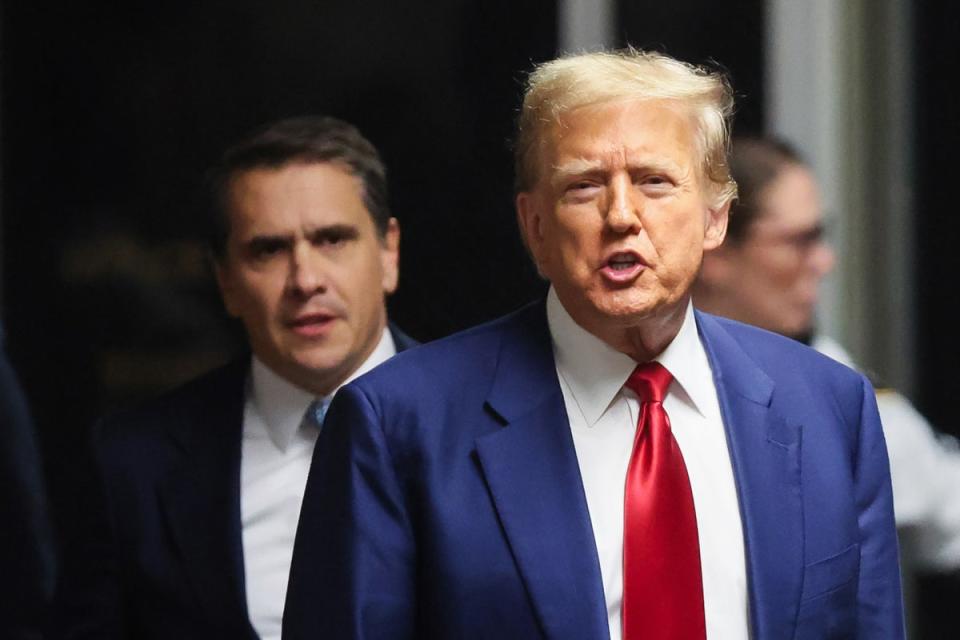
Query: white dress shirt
276,452
603,421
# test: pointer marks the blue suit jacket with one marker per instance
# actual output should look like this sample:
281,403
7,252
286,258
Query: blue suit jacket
161,551
445,498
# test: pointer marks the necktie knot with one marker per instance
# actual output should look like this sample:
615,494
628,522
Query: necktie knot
316,412
650,381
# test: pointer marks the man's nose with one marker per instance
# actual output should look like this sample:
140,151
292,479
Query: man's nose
307,271
623,207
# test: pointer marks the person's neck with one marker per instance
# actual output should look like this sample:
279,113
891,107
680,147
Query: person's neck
647,338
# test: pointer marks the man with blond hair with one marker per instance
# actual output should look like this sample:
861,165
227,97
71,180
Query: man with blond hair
608,462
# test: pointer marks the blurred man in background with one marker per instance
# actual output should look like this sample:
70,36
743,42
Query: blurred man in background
767,273
202,488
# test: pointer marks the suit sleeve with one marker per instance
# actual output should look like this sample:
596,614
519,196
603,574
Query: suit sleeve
353,569
879,599
89,602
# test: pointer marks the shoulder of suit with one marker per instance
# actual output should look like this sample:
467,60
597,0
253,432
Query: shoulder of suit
223,385
771,349
459,352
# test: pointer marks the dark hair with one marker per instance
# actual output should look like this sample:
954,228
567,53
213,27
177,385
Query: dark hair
754,164
307,140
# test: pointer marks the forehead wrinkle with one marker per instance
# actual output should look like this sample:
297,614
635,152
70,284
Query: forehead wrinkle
612,156
643,161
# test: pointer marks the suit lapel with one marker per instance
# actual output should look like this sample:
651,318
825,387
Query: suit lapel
533,475
201,498
765,453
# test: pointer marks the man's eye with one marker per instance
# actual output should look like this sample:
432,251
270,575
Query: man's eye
580,187
264,250
334,238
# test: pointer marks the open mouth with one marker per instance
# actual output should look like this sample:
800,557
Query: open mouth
622,266
623,263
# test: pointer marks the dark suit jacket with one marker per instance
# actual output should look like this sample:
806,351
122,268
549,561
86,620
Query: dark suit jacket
162,553
26,541
445,498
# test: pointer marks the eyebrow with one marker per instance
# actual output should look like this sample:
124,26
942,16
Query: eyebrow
265,242
578,166
561,173
334,232
329,232
587,166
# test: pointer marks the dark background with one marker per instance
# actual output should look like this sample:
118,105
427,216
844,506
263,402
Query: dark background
111,112
937,51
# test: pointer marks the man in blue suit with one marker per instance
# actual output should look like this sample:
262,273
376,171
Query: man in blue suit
193,534
607,463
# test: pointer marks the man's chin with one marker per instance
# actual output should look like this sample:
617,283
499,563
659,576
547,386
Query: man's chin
634,310
320,364
316,365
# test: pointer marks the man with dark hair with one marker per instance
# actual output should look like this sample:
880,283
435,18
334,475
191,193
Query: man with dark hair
308,140
202,487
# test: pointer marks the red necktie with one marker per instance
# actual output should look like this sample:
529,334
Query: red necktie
662,585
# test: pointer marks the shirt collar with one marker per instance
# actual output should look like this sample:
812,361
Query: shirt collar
282,404
687,360
595,372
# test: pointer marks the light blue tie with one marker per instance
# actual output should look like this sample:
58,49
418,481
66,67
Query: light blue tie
316,412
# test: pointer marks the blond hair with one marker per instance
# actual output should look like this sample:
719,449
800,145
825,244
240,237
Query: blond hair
557,87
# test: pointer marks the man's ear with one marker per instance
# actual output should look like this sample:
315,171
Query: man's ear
390,256
530,221
716,226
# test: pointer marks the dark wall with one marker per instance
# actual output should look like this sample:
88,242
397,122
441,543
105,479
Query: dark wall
937,126
729,35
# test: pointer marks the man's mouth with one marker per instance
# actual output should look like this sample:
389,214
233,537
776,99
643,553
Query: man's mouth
622,267
622,263
311,324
